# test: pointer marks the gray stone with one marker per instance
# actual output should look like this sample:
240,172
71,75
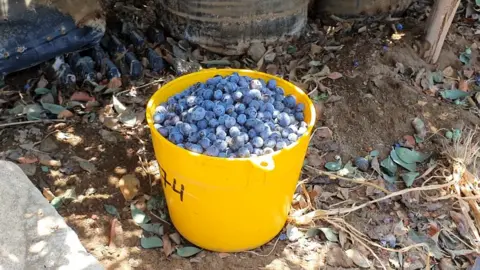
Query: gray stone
48,145
28,169
256,51
33,235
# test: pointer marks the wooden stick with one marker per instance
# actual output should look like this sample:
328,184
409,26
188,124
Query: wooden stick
438,25
31,122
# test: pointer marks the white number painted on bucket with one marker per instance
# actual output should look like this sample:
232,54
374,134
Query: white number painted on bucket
173,185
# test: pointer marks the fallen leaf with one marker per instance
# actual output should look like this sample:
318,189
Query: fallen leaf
57,202
48,194
155,228
28,159
167,245
114,83
463,85
343,238
65,114
432,228
410,156
329,234
358,258
293,233
85,164
335,75
119,107
129,185
453,94
42,91
48,161
151,242
324,132
108,136
155,202
420,238
81,96
138,215
409,177
462,225
408,164
400,229
128,118
375,165
315,49
176,238
112,210
185,252
116,234
53,108
449,72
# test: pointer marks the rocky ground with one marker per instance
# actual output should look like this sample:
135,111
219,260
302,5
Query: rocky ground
368,84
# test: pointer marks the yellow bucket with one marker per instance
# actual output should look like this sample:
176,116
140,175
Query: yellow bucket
221,204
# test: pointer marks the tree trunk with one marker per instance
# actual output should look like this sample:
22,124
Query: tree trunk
438,24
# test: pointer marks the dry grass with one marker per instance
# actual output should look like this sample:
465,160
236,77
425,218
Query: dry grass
457,178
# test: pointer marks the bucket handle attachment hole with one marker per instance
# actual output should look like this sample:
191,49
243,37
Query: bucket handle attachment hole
264,162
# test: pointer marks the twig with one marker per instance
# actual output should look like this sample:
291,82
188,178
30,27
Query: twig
265,255
161,219
31,122
335,176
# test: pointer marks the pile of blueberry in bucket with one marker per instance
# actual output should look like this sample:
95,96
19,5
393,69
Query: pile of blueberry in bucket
232,117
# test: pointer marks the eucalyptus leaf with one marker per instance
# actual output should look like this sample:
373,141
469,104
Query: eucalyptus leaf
421,238
388,166
151,242
155,202
138,215
17,109
185,252
155,228
128,118
34,112
73,104
410,156
411,166
111,210
111,90
99,88
437,76
409,177
453,94
42,91
53,108
374,153
329,234
334,165
119,107
57,202
390,179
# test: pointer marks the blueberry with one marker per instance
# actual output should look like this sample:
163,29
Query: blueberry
240,107
257,152
218,94
272,84
212,151
221,145
222,155
241,119
278,105
292,137
254,104
205,142
247,99
251,112
280,145
163,131
227,99
257,142
301,130
161,108
221,119
181,145
268,150
243,152
208,104
207,94
219,110
220,128
198,113
255,94
237,95
202,124
283,119
299,116
193,138
260,127
186,129
256,84
175,137
230,109
234,78
266,134
300,107
249,146
203,133
171,101
212,137
230,122
242,82
159,118
194,148
213,81
230,87
267,116
276,135
252,133
234,131
251,122
270,143
175,120
290,101
221,134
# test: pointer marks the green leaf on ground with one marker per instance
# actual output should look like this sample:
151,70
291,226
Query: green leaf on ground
409,177
151,242
111,210
187,251
53,108
453,94
57,202
138,215
155,228
388,166
411,166
42,91
410,156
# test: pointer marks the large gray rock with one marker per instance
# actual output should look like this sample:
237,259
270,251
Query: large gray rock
32,234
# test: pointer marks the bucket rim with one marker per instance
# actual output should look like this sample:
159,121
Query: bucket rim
298,92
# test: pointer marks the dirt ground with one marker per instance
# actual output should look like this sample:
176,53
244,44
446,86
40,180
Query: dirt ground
370,108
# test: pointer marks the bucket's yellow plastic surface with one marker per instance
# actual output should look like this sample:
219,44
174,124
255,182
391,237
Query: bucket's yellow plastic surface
221,204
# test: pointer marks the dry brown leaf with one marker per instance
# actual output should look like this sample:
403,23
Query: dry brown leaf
129,185
167,245
48,161
272,69
463,85
335,75
81,96
48,194
65,114
324,132
28,159
462,225
319,109
343,238
358,258
116,234
114,83
315,49
448,71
